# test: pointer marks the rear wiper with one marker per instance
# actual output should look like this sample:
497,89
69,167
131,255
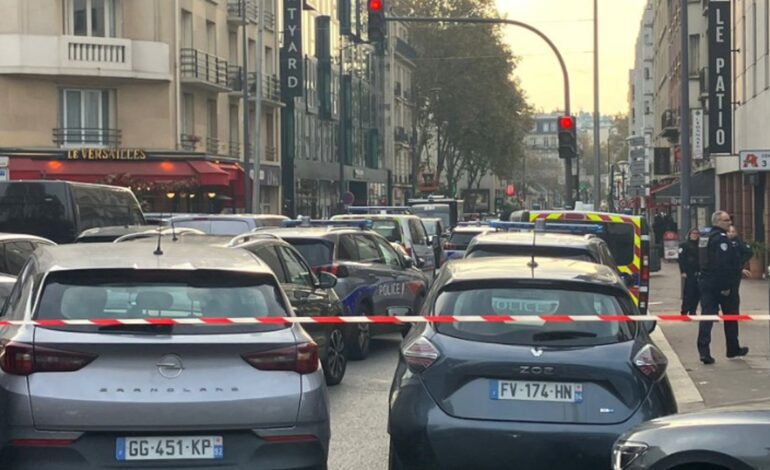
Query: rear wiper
559,335
149,329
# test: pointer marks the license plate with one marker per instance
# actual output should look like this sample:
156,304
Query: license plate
170,448
536,391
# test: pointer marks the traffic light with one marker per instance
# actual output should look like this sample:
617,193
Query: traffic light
567,137
378,28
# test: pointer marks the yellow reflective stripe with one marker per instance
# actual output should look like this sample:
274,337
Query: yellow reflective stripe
625,269
637,263
594,218
617,219
636,299
555,216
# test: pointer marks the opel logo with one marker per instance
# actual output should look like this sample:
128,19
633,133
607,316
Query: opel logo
537,352
170,366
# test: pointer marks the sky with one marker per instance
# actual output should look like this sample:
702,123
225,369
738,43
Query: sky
569,24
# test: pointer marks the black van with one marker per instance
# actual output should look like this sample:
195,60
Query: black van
61,210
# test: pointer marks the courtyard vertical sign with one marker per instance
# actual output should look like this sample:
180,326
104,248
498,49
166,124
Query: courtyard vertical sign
292,73
720,85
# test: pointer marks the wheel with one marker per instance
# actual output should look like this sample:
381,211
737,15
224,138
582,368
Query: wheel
360,336
336,362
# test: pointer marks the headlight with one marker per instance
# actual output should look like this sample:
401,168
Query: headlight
625,453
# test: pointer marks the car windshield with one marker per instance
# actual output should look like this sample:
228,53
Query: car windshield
152,294
388,229
489,250
500,298
434,212
316,252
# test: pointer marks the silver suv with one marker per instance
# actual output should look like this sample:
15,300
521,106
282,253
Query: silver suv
156,393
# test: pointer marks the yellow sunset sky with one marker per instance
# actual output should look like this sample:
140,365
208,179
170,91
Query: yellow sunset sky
569,24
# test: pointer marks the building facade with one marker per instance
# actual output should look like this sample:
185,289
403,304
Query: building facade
144,94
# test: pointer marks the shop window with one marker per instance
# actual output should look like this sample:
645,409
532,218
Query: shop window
85,118
97,18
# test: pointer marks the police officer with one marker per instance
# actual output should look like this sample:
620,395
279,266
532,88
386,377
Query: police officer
689,266
719,263
746,254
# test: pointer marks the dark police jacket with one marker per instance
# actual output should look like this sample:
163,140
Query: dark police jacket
745,253
720,261
688,259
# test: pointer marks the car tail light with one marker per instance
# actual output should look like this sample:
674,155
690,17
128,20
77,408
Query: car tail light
420,354
41,442
450,246
302,358
336,269
645,274
651,362
25,359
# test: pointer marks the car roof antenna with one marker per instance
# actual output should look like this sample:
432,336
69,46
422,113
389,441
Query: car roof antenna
173,231
158,250
539,226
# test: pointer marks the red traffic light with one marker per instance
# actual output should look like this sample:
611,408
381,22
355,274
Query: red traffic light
375,5
566,123
510,191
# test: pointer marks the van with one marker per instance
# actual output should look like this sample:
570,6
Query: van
61,210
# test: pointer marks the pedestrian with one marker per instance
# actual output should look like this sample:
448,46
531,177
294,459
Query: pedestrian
746,253
689,267
719,263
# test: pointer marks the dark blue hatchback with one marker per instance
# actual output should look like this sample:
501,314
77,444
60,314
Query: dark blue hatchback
524,395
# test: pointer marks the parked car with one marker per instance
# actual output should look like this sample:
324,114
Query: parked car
406,230
111,233
114,395
308,293
62,210
15,250
437,234
373,279
461,237
731,438
546,395
226,224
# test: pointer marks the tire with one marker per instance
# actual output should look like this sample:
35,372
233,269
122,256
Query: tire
336,361
360,336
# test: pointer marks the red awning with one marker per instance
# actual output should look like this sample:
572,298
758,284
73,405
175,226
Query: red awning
234,169
210,174
95,171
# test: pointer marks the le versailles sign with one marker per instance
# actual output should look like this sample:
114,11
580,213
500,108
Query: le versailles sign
98,154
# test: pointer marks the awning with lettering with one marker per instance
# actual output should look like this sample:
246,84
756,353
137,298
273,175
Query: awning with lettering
206,173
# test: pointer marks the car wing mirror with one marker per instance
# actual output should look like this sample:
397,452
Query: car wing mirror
408,262
326,280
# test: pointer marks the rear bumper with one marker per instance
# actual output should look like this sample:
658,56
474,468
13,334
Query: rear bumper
97,450
425,437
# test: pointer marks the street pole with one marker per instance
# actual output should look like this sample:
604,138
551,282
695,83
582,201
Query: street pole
341,129
246,128
257,164
597,135
684,124
565,74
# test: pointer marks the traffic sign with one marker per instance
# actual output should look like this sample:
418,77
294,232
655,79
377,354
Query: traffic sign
755,160
348,198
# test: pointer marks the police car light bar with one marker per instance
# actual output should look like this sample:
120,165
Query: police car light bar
380,210
573,229
362,224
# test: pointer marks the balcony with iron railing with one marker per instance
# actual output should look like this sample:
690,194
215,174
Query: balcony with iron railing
271,86
235,10
271,154
234,149
204,70
90,137
189,142
212,146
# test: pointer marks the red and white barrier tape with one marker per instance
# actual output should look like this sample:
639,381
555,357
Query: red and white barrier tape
389,320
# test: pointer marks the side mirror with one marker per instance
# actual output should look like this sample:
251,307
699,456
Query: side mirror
408,262
399,311
326,280
420,263
649,326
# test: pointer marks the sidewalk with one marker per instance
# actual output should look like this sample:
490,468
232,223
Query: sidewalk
729,381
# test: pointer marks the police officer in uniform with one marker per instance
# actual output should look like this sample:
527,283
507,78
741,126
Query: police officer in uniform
719,262
689,266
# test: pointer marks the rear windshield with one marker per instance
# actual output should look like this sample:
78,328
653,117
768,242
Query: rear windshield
477,299
620,239
152,294
487,251
461,239
316,252
389,229
434,212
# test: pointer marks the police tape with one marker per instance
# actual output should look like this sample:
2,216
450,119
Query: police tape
385,320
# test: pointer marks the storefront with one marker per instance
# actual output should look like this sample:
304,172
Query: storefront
666,199
162,181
